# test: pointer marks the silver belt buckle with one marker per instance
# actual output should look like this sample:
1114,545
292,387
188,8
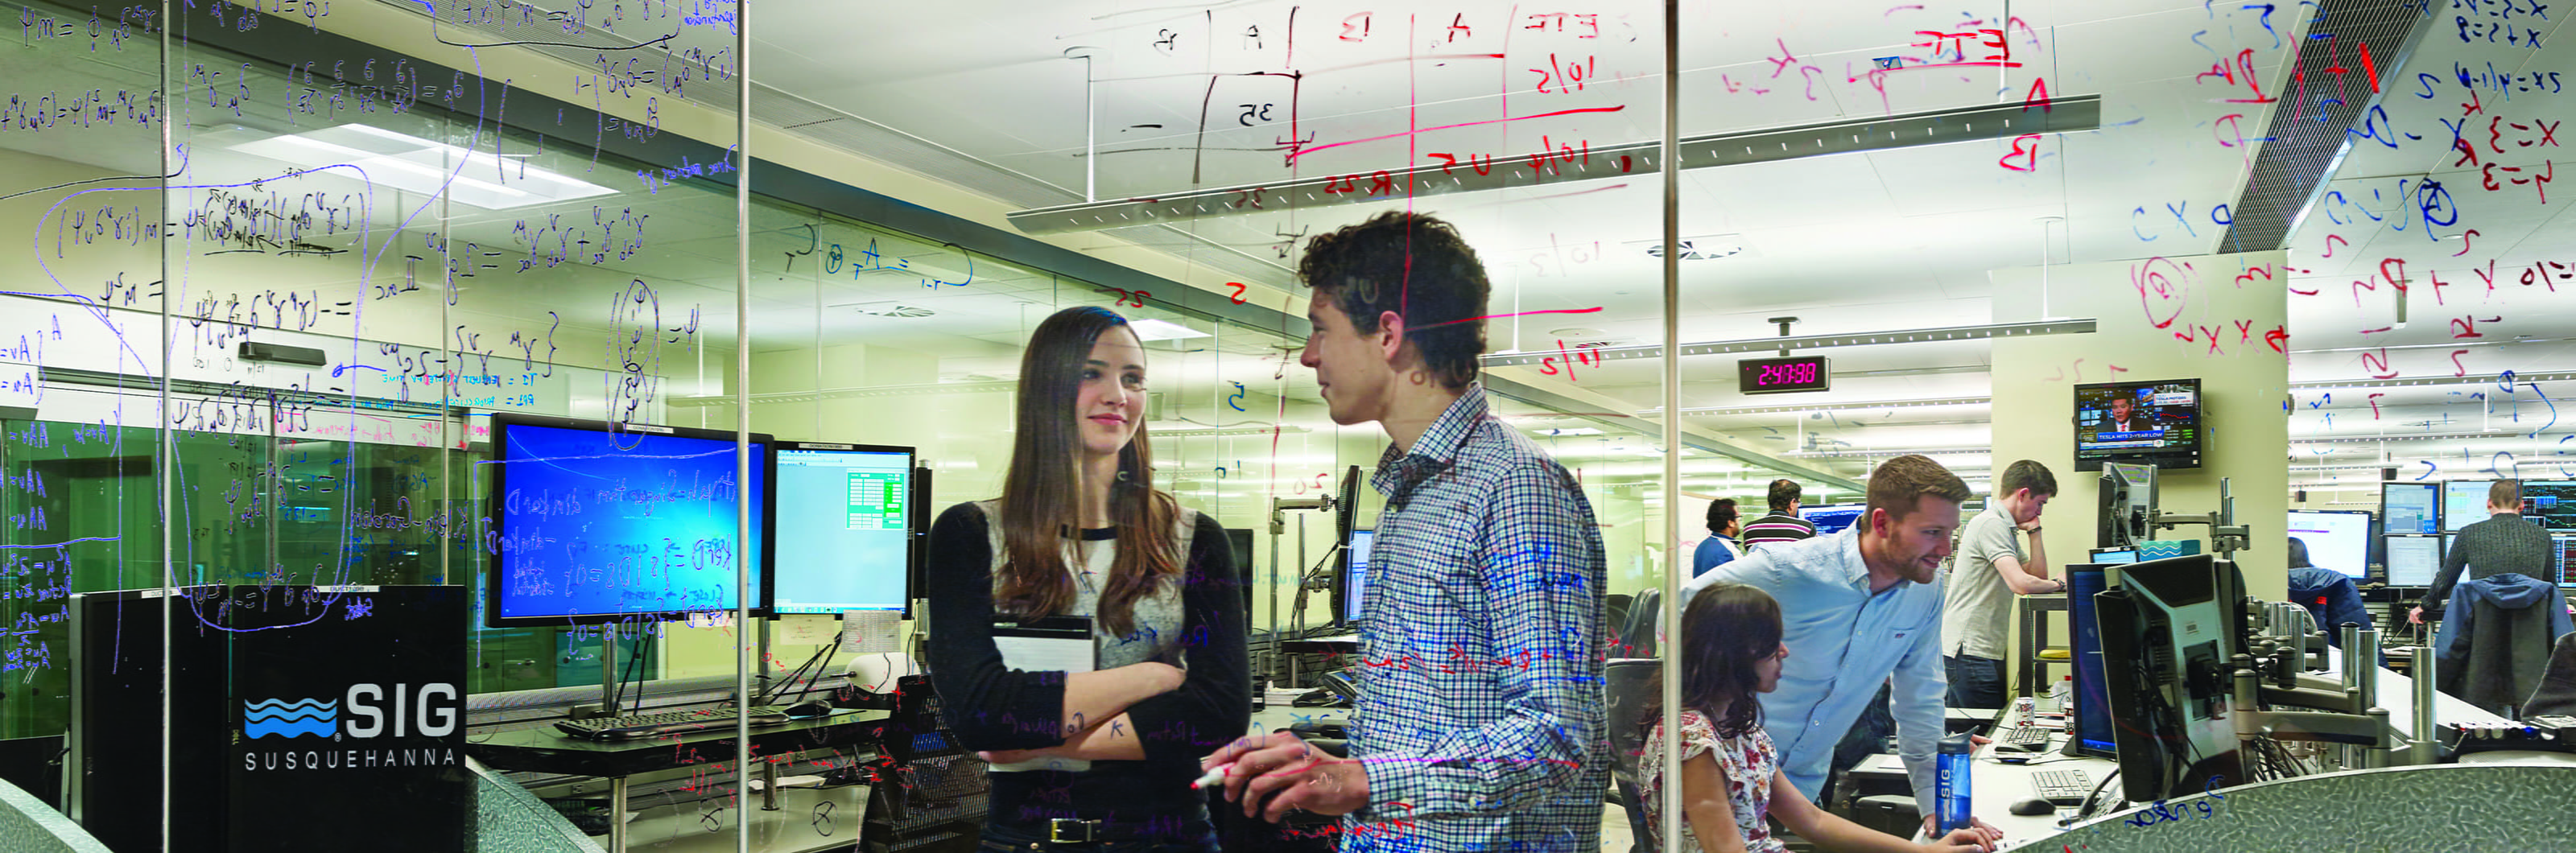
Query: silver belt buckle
1070,831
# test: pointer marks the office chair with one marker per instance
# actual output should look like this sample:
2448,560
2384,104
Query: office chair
1614,614
1627,685
2557,691
1639,633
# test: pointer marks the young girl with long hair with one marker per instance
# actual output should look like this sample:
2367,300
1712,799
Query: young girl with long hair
1098,760
1730,649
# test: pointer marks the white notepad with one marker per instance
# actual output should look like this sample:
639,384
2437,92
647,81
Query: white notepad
1062,643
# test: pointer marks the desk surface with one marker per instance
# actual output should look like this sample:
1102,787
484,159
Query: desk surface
1994,786
546,750
2397,694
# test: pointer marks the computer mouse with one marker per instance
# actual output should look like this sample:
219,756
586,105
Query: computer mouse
808,709
2034,807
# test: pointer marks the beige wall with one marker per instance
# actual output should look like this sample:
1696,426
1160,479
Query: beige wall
2244,382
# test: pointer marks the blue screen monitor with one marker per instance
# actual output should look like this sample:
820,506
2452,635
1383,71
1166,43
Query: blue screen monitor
2411,507
2092,735
1832,518
845,519
597,523
1355,574
2464,502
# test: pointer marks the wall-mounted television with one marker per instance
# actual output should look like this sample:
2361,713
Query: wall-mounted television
2158,422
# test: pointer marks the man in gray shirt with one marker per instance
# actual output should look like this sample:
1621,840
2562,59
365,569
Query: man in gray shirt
2502,543
1991,568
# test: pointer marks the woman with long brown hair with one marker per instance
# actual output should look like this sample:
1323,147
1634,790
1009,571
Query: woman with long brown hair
1098,758
1730,649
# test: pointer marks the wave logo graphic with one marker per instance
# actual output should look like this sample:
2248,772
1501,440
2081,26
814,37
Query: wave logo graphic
291,719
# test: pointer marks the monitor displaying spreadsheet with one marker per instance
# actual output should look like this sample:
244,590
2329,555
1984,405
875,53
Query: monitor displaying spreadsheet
2412,560
2464,502
2411,507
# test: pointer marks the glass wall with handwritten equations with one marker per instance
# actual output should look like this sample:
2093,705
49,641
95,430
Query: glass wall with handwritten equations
279,278
299,279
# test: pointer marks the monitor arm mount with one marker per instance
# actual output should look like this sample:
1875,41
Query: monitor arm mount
2225,535
1279,508
2347,711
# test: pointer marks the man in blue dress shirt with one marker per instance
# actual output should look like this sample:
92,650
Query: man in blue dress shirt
1719,547
1479,725
1859,606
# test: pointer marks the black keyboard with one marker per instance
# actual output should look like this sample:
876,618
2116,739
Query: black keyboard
2022,739
2062,787
666,723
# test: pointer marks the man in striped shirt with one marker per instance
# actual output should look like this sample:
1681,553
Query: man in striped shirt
1783,524
1479,725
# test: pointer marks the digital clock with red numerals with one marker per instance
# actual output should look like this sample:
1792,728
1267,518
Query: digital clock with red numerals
1785,375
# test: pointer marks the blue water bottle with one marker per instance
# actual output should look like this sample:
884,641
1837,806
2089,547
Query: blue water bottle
1950,793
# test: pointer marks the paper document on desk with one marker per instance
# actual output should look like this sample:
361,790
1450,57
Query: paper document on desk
1057,644
868,632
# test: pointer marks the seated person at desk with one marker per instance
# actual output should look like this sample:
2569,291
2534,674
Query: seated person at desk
1105,755
1730,649
2503,543
2328,595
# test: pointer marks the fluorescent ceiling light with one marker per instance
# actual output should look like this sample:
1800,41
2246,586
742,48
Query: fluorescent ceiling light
1561,431
1163,330
405,162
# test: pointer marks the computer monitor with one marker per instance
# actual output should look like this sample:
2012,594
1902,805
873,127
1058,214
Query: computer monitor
2115,556
1355,575
845,519
2170,631
2413,560
2092,718
1240,539
2126,510
2338,540
2566,562
2550,504
1832,518
598,523
2411,507
2464,502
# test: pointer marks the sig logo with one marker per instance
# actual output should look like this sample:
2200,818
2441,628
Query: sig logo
432,711
374,714
277,717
